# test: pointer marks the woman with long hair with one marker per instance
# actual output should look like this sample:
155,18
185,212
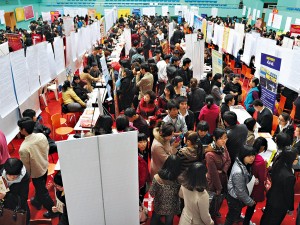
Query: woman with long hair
196,199
253,93
216,88
210,113
280,197
103,125
169,94
164,189
180,90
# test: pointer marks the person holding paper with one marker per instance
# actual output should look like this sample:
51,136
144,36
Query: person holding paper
238,193
280,197
60,200
17,178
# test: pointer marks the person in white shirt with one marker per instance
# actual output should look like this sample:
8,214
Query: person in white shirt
160,35
162,73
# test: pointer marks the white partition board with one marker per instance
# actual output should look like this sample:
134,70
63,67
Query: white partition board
34,78
43,63
8,100
101,180
80,167
164,10
80,45
20,75
33,102
74,39
9,126
119,169
51,60
59,54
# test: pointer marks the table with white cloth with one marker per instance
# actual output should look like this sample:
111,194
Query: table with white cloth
242,114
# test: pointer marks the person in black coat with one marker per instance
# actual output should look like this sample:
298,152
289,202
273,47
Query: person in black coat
229,101
78,89
177,36
206,84
146,45
40,128
280,197
284,126
60,195
234,88
125,92
236,134
17,178
95,57
196,98
172,69
185,73
264,116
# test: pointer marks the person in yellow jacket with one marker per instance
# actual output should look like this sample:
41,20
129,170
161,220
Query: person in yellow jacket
86,77
70,99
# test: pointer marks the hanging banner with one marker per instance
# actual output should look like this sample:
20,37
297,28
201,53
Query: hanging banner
20,15
269,74
14,41
225,39
136,12
28,11
217,62
204,28
197,22
295,30
54,14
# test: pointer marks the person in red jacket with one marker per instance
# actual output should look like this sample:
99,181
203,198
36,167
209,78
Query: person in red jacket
259,172
210,113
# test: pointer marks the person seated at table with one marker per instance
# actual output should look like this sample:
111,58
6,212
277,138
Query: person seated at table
234,88
103,125
264,116
253,93
187,114
169,94
70,99
86,77
95,72
78,89
40,128
229,101
147,108
285,126
17,179
210,113
250,124
137,121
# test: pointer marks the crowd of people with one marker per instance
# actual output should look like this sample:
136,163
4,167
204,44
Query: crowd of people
199,153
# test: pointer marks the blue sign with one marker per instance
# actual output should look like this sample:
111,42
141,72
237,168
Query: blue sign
270,61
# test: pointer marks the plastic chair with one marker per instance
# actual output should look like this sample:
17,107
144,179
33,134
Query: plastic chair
293,112
59,130
275,124
248,76
281,104
232,64
42,93
54,87
62,120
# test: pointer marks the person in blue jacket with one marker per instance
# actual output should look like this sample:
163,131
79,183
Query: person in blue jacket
254,93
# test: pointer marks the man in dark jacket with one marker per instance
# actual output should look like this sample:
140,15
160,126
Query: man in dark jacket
264,116
40,128
137,121
95,57
236,134
177,36
185,73
187,114
172,69
205,84
78,89
146,45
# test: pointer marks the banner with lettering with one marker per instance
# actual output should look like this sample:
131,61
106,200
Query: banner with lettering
14,41
217,62
269,74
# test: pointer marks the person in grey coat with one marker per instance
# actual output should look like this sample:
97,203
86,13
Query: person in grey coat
240,176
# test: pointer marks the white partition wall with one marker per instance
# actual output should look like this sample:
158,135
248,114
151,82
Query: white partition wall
100,176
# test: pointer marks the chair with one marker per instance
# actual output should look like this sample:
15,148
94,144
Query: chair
53,86
232,64
62,120
243,73
42,93
281,104
293,112
275,124
69,115
58,129
248,76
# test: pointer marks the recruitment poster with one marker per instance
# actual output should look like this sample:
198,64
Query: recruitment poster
269,74
295,30
28,11
20,15
225,39
217,62
14,41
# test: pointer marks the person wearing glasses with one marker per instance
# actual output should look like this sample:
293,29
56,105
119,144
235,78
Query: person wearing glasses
285,126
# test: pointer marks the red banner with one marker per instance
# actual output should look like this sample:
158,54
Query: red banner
14,41
54,14
36,38
295,29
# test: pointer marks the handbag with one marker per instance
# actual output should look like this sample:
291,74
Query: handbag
268,182
12,217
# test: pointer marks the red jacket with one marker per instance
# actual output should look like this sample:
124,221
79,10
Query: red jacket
143,172
211,116
259,171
